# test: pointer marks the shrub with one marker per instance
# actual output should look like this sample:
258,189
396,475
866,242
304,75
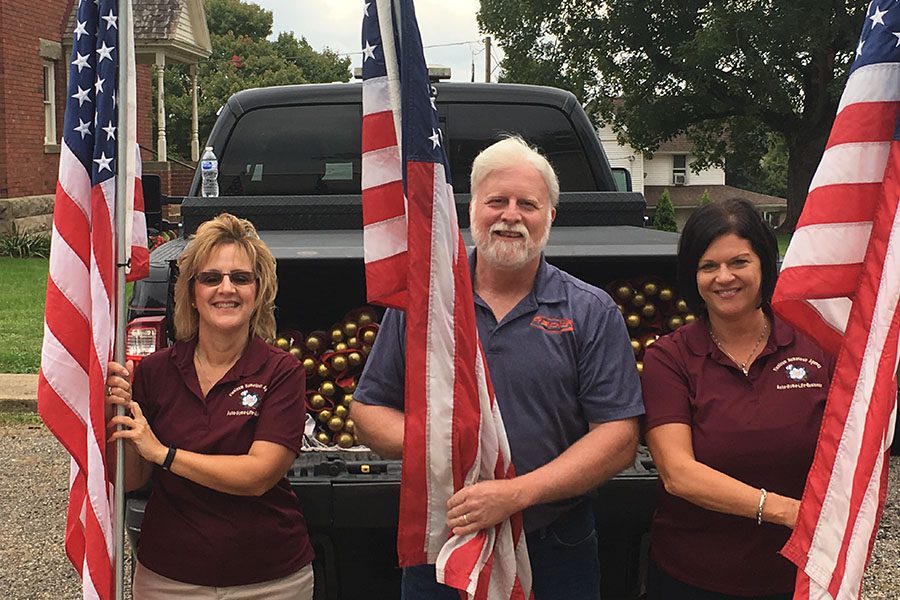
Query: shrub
664,217
704,198
19,244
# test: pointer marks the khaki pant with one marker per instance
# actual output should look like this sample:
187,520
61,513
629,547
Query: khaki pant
153,586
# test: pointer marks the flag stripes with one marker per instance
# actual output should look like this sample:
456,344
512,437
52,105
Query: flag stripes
416,261
840,284
80,310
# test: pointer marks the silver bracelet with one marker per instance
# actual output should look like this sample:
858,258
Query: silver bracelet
762,500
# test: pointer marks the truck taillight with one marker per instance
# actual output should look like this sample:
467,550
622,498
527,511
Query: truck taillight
144,336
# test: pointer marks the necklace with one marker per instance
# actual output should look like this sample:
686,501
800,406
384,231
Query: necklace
744,366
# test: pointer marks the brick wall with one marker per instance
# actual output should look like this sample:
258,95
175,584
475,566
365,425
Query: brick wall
27,168
181,180
145,105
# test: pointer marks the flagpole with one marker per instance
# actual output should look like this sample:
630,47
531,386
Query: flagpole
122,181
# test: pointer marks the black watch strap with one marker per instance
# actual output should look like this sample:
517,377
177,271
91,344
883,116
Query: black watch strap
170,457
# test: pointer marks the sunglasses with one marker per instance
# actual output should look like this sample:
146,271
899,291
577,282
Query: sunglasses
213,278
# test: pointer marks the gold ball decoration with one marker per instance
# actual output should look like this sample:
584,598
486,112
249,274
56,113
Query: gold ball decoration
309,365
327,389
282,343
648,311
339,363
313,343
353,342
341,411
323,371
296,352
632,320
349,425
345,440
350,328
649,342
640,367
623,292
368,337
650,289
365,318
341,346
337,335
690,318
635,346
335,424
317,401
324,415
354,359
666,294
638,300
323,438
681,305
675,322
350,387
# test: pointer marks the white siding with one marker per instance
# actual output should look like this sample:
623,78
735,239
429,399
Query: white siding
657,171
623,156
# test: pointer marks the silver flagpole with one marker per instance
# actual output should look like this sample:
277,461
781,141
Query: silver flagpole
124,13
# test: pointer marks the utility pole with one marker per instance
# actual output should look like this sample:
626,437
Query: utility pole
487,59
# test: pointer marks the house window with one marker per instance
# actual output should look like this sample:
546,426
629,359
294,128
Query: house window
49,102
679,169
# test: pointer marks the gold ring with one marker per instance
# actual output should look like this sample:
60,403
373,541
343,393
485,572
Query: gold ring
108,391
466,518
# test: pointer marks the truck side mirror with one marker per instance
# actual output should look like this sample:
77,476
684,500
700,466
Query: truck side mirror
622,177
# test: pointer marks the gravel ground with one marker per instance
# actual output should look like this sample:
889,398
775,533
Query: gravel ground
33,494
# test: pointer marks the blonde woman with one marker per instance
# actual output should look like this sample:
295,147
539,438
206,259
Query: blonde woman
215,421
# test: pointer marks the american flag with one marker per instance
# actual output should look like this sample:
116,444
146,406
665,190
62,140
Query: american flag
416,261
840,284
81,288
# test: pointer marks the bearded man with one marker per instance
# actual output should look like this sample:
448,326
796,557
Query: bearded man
568,393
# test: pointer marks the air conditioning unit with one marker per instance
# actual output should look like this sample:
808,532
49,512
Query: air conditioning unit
678,178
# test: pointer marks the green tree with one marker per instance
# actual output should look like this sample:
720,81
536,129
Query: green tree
664,216
242,57
704,198
712,69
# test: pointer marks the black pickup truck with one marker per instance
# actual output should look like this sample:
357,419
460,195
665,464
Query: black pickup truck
289,160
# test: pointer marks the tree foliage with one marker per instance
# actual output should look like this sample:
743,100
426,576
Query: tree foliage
719,71
242,57
704,198
664,216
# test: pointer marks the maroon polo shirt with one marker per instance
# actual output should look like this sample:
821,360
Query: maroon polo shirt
760,429
197,535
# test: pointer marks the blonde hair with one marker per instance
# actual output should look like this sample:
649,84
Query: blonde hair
217,232
511,152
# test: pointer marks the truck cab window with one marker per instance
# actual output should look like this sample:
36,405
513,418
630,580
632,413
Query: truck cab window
474,127
293,150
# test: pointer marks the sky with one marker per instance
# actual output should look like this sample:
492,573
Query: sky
337,24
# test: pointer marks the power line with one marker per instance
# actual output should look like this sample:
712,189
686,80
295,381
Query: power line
424,47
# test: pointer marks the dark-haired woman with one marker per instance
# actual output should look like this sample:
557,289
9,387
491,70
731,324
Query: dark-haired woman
734,402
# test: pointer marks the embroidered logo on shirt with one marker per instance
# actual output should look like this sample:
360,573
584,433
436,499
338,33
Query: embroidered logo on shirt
552,324
250,400
250,394
797,370
795,373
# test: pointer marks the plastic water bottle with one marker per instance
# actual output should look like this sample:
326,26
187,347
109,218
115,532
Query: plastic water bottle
209,172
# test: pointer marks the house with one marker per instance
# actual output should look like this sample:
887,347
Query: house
670,169
34,62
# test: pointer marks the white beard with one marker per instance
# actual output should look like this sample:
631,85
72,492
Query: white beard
509,254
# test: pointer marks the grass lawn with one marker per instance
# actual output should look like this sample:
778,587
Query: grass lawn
23,285
783,241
